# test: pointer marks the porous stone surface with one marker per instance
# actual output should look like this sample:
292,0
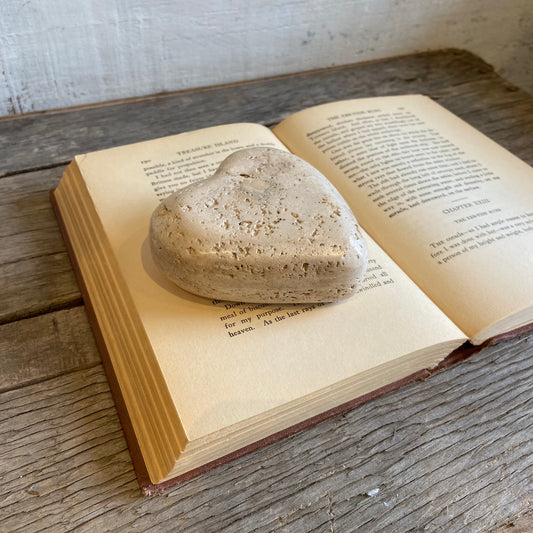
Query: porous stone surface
266,227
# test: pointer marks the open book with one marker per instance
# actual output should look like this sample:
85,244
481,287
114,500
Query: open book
448,216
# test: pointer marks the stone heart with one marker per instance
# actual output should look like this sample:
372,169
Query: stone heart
266,227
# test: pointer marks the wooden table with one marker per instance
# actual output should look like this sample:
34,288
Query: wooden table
452,453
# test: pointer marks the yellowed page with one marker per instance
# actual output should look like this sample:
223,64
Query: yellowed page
226,362
450,206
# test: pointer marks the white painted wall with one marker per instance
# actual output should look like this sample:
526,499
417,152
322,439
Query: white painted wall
56,53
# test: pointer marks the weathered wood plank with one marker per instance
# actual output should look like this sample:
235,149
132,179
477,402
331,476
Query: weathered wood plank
52,138
35,271
451,453
45,346
24,203
524,524
37,285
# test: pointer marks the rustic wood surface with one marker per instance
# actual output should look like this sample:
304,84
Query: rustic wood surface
452,453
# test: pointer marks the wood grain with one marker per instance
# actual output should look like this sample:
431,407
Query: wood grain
45,346
41,140
523,524
452,453
35,271
431,456
102,50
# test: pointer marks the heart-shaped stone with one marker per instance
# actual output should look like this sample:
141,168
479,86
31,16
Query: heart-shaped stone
266,227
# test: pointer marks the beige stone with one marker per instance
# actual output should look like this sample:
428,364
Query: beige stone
266,227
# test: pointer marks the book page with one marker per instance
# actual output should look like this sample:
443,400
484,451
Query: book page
450,206
225,362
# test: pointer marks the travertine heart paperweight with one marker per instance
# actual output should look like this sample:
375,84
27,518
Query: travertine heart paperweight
266,227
